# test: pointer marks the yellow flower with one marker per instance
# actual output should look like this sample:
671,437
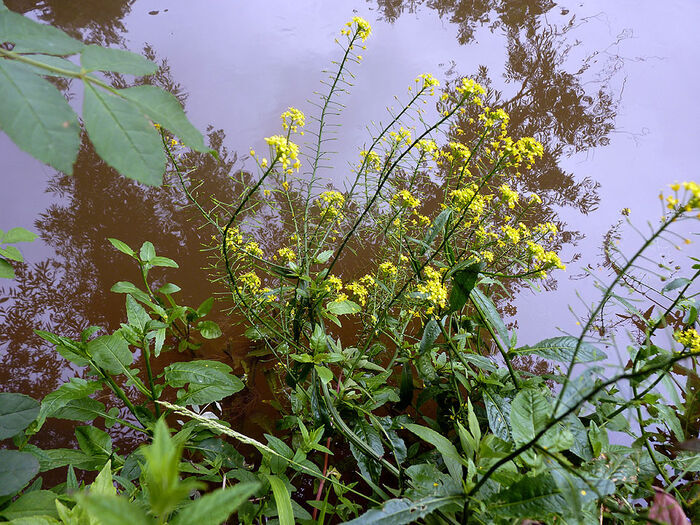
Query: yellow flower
287,253
285,151
293,119
388,268
435,291
331,204
404,199
689,338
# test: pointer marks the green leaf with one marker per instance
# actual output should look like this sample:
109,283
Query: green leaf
147,252
16,235
93,441
51,62
209,329
463,282
169,288
164,109
529,414
97,58
11,253
498,414
449,452
401,511
163,262
112,510
16,470
206,306
322,258
430,334
668,418
437,228
215,507
111,353
283,500
122,247
35,503
6,270
76,388
531,497
83,409
31,37
676,283
325,374
37,117
17,412
136,314
345,307
209,381
490,313
123,137
562,349
60,457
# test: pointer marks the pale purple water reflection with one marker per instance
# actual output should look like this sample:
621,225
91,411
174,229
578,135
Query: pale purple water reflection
608,87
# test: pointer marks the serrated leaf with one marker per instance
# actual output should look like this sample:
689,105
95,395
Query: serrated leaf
136,314
17,411
16,470
529,413
123,137
402,511
164,109
562,349
98,58
37,117
76,388
83,409
215,507
208,381
17,234
32,37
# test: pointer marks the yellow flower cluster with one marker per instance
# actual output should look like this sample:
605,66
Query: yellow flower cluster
689,338
435,291
286,253
331,204
287,152
544,258
401,136
372,160
692,197
388,268
469,88
359,291
524,150
509,196
427,146
234,239
253,248
333,284
468,198
293,119
429,82
404,199
249,282
364,30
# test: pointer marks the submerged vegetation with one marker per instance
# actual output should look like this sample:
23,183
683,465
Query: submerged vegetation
396,381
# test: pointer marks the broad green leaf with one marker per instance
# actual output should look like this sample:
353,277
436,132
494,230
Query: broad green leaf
402,511
11,253
6,270
122,247
449,452
209,329
324,373
83,409
562,349
17,234
215,507
60,457
123,137
135,313
77,388
32,37
529,413
37,502
490,313
97,58
164,109
111,353
208,381
577,389
206,306
369,467
37,117
169,288
113,510
147,252
17,411
283,500
163,262
430,334
51,61
93,441
532,497
104,484
36,520
16,470
345,307
463,282
498,413
668,417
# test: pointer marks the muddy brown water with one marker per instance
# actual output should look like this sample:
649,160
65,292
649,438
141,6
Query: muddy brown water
607,87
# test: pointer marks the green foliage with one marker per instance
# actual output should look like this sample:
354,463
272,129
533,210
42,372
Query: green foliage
8,252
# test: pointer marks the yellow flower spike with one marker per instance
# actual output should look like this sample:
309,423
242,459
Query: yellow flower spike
364,30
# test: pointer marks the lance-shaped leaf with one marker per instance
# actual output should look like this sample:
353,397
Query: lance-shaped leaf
93,441
486,308
17,411
562,349
498,414
37,117
123,136
215,508
401,511
31,37
98,58
208,381
449,453
164,109
77,388
283,501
